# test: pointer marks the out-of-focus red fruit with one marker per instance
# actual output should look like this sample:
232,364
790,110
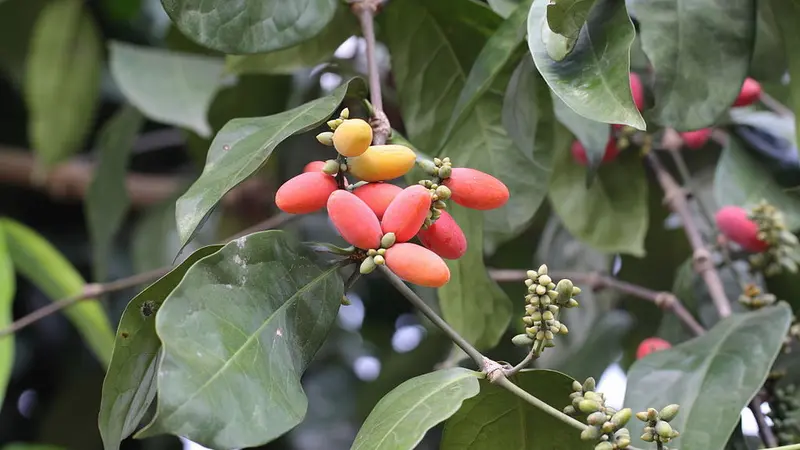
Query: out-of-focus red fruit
407,212
314,166
475,189
305,193
579,152
733,222
749,94
637,89
696,139
378,196
444,237
417,264
651,345
354,220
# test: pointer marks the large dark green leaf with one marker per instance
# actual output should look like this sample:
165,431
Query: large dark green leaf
471,302
700,50
592,78
42,264
62,79
743,181
712,377
786,14
250,26
107,198
769,60
566,17
129,387
496,418
592,135
7,290
30,446
237,333
404,415
242,146
611,214
168,87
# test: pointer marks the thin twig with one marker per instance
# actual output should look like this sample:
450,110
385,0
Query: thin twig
776,106
365,11
686,179
764,430
549,410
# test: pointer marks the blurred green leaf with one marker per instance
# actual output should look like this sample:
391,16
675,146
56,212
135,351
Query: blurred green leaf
307,54
30,446
503,7
742,180
154,239
7,291
17,18
62,80
712,377
591,78
42,264
592,135
404,415
471,302
496,418
242,146
107,198
167,87
786,14
122,10
611,214
251,315
595,355
129,387
768,61
700,50
785,286
250,26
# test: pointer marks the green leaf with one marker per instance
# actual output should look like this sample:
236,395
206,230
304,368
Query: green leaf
742,180
611,214
566,17
592,134
167,87
496,418
30,446
62,80
129,387
712,377
595,355
471,302
404,415
769,60
7,291
250,316
700,50
592,78
107,198
42,264
250,26
242,146
787,15
314,51
504,8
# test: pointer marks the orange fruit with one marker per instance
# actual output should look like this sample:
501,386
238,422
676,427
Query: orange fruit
354,220
352,137
417,264
444,237
378,196
407,212
305,193
382,162
475,189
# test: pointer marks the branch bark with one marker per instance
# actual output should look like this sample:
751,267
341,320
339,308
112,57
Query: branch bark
365,10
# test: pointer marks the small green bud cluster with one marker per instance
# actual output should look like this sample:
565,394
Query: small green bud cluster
657,427
606,425
334,123
543,306
439,169
784,249
785,414
752,297
375,257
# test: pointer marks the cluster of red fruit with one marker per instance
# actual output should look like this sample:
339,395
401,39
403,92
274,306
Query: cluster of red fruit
749,94
380,218
734,222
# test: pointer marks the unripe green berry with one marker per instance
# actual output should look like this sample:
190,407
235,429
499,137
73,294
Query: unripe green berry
368,265
522,340
325,138
382,251
669,412
331,167
372,252
590,434
596,418
663,429
388,240
587,406
379,260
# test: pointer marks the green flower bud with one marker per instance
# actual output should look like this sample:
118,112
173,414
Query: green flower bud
576,290
545,300
576,402
325,138
379,260
642,416
604,446
331,167
622,432
528,282
439,204
609,410
532,275
591,395
542,269
563,329
564,289
622,417
446,159
548,335
669,412
663,429
547,315
647,437
552,294
333,124
540,336
345,114
436,214
544,280
555,329
674,434
530,309
553,308
577,386
427,166
426,183
528,320
572,303
445,172
443,192
549,343
388,239
437,161
522,340
596,418
652,414
535,300
623,443
569,410
382,251
537,316
541,290
608,427
590,434
589,384
368,265
587,406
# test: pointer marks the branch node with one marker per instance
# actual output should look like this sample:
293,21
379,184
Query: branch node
381,127
665,300
701,258
493,370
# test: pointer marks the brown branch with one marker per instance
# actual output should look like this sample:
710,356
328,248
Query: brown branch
365,11
764,430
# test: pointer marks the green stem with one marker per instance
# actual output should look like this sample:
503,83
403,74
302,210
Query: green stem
785,447
552,412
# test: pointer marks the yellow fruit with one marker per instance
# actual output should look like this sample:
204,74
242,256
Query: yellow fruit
352,137
382,162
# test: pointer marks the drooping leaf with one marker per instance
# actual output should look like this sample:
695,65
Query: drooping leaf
242,146
712,377
618,197
168,87
404,415
62,80
471,302
306,54
250,316
7,291
45,267
592,77
700,51
250,26
129,387
787,15
107,198
496,418
593,135
742,180
566,17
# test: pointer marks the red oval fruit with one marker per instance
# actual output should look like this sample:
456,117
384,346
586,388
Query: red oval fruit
733,222
417,264
444,237
637,89
354,220
475,189
651,345
579,152
378,196
407,212
749,94
696,139
305,193
314,166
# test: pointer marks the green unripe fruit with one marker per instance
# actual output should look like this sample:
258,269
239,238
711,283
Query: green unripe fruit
522,340
388,240
590,434
427,166
379,260
663,429
587,406
372,252
331,167
382,251
589,384
564,289
368,265
669,412
622,417
596,418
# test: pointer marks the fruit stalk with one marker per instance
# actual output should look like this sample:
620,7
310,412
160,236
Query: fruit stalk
365,11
